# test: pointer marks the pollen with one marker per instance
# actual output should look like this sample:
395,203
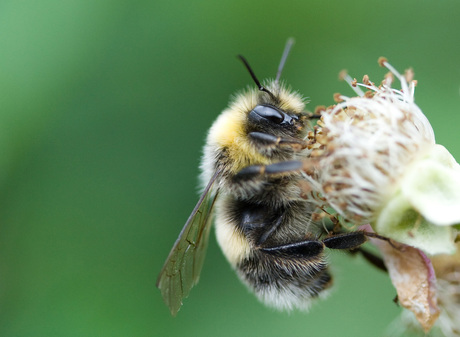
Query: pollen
382,60
366,80
338,97
319,109
342,75
409,75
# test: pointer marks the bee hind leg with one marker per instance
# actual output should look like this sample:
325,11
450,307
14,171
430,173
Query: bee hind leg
352,242
373,259
304,249
346,241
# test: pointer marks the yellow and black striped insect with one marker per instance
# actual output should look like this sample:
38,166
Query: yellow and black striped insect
252,188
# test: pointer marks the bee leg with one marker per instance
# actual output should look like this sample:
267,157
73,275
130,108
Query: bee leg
352,242
270,141
339,241
346,241
303,249
253,171
373,259
269,231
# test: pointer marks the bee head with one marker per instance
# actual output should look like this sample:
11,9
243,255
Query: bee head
277,111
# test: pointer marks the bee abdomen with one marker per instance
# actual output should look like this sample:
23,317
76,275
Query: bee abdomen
285,283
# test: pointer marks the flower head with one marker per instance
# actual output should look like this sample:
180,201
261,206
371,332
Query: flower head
377,162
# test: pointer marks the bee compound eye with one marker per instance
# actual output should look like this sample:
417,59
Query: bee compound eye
269,113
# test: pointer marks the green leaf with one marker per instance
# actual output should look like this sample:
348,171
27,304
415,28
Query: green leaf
432,187
401,222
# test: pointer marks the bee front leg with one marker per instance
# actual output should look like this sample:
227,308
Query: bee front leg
269,141
254,171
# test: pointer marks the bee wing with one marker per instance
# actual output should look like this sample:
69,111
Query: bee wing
182,268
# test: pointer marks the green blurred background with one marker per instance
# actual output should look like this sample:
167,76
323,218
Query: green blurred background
103,112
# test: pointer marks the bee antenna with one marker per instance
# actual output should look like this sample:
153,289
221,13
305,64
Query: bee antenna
254,78
290,42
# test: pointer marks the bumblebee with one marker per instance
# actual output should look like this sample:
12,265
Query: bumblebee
251,169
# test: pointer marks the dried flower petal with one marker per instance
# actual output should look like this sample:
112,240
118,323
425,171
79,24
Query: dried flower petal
412,275
447,268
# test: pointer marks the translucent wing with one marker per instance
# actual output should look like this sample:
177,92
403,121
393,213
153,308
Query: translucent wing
182,268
